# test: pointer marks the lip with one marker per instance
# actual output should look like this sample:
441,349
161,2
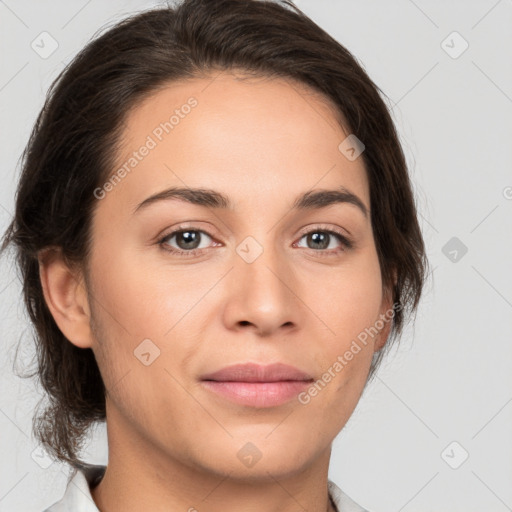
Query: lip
257,385
253,372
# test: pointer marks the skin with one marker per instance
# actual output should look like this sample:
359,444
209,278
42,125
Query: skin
173,444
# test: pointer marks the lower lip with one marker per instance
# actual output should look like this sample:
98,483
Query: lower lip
258,394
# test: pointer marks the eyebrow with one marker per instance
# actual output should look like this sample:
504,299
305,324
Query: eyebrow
311,200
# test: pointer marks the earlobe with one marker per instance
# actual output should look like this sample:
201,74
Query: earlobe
66,297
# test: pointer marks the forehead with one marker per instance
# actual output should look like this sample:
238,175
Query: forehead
246,136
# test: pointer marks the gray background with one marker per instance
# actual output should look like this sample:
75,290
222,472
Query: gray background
449,381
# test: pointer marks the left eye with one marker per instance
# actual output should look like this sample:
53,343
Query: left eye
187,240
323,238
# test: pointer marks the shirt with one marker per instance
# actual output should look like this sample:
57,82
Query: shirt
78,498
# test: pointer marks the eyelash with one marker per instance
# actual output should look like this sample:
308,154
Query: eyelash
346,243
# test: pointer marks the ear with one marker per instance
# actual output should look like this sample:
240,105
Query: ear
66,297
386,316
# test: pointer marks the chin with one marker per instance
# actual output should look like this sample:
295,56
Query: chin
257,458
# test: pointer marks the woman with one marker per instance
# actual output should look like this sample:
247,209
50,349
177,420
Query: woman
218,241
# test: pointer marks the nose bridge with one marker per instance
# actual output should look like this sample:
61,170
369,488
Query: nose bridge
260,264
262,294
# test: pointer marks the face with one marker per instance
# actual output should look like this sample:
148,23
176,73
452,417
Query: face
181,286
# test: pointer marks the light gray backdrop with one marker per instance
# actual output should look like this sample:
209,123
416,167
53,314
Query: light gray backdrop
434,431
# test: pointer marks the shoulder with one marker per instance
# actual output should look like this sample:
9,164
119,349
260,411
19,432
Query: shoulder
342,501
77,496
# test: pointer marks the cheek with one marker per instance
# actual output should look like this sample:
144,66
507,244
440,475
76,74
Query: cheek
350,297
349,306
143,300
131,353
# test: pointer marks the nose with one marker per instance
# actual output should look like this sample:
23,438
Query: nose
261,295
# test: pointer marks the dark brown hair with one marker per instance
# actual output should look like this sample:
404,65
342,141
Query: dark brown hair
72,147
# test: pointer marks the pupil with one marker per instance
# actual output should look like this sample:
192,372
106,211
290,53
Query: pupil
322,238
190,239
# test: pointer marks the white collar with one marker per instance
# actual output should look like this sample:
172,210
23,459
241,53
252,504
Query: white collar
78,498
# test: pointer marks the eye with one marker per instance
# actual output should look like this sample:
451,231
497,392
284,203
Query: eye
188,240
321,239
191,242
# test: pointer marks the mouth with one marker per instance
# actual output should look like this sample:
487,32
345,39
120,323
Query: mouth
257,394
255,385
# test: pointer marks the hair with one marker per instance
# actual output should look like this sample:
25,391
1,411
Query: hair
70,153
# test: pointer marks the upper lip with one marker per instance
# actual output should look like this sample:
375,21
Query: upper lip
253,372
